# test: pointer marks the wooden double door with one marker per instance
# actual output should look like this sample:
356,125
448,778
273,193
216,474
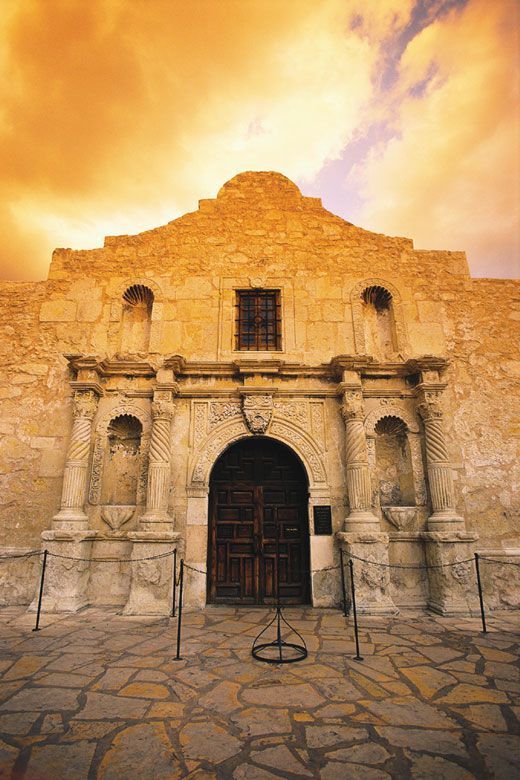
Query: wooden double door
259,530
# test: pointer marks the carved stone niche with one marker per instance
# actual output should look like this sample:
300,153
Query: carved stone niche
401,517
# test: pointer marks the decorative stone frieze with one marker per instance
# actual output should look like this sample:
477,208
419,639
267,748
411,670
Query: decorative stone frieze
71,515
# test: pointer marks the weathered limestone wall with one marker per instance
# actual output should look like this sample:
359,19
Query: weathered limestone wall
258,232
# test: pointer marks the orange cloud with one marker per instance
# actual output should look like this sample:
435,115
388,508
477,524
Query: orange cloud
449,175
117,116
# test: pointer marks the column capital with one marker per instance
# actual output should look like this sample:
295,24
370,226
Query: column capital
352,404
84,404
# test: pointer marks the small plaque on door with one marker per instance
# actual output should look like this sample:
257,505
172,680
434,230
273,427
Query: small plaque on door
322,520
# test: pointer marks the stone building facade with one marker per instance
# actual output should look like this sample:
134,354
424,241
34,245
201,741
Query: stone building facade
259,384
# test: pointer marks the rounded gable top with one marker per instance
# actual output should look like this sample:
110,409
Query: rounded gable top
259,184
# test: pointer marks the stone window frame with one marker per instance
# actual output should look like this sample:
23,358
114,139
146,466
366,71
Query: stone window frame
401,334
229,286
116,310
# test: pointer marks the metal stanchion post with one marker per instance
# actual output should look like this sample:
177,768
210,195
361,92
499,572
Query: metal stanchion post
42,581
174,586
479,583
343,587
357,657
179,618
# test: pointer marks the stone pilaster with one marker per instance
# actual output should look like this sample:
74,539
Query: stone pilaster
362,536
156,516
71,515
67,574
151,580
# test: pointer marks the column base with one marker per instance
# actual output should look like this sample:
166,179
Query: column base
446,521
360,521
453,588
372,582
156,522
70,519
151,580
66,580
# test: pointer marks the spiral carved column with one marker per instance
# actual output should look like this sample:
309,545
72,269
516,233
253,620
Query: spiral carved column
447,541
362,538
150,583
439,468
71,514
357,468
159,464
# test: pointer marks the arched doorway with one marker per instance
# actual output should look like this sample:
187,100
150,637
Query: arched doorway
258,525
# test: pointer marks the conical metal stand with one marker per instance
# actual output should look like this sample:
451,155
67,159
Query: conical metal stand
279,651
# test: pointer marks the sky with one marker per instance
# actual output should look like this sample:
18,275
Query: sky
117,116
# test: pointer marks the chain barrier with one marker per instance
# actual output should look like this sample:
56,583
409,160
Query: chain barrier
112,560
21,555
193,568
412,566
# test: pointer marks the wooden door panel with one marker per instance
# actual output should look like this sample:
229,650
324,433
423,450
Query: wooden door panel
259,526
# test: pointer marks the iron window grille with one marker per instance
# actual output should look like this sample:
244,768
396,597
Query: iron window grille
258,320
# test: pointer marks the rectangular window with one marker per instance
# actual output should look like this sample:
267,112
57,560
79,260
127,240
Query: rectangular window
258,325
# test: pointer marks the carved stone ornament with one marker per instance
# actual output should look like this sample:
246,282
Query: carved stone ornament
352,406
117,516
162,409
258,410
401,517
430,410
85,404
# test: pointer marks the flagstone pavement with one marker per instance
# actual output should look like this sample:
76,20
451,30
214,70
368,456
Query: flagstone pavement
98,695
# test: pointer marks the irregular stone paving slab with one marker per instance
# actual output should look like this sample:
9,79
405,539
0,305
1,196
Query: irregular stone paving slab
143,750
302,695
410,713
42,699
8,755
435,767
51,761
223,698
484,717
254,721
501,753
445,742
468,694
102,705
209,742
361,754
324,736
280,758
145,690
429,681
26,666
250,772
336,771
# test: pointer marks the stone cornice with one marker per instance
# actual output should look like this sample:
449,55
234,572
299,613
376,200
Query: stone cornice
89,368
